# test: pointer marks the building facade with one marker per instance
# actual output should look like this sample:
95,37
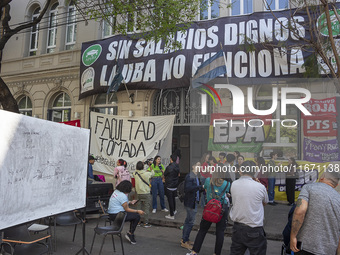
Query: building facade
41,67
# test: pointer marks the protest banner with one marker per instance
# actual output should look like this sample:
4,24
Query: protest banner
132,139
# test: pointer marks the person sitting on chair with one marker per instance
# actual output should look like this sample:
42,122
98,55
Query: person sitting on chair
119,202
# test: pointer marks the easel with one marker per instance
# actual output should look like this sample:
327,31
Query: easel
83,248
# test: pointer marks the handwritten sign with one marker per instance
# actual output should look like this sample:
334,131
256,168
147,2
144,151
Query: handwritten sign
132,139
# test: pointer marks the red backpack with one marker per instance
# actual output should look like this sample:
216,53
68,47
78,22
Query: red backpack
213,210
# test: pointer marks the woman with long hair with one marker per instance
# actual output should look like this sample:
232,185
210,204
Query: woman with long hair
120,172
157,186
219,187
291,180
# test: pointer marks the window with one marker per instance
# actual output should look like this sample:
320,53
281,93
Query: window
239,7
61,108
106,104
52,29
133,21
108,26
34,34
281,139
71,27
209,9
25,106
276,4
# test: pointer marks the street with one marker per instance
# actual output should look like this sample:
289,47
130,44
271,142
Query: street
150,241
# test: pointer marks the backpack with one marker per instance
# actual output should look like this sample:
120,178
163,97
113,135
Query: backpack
213,210
180,191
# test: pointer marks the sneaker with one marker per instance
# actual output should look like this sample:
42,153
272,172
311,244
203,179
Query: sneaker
146,225
130,238
165,210
191,253
175,212
271,203
154,211
170,217
186,245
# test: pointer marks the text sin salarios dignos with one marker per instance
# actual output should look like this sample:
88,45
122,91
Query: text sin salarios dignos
240,63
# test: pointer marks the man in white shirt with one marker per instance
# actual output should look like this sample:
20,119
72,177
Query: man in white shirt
247,212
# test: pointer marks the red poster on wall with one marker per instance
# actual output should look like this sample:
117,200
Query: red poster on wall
75,123
320,125
321,106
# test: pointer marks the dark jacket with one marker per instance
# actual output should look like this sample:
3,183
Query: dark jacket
190,190
171,175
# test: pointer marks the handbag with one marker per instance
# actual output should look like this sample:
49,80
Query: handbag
213,210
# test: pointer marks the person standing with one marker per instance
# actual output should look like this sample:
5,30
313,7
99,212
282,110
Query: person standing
171,175
120,172
142,182
220,188
249,198
119,202
157,186
205,166
236,154
271,178
316,218
291,180
192,188
222,158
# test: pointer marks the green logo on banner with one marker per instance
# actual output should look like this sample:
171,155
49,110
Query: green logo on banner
322,24
91,54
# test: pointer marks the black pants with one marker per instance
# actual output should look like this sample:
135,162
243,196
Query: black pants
171,195
245,237
204,227
134,218
290,189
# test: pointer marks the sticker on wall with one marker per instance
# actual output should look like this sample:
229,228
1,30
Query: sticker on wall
91,54
87,80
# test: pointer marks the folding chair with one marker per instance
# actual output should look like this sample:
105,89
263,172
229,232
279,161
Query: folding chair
114,229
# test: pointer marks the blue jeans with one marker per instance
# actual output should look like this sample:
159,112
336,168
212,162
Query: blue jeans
271,187
189,222
157,187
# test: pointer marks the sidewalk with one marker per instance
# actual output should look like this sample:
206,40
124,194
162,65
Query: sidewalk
276,218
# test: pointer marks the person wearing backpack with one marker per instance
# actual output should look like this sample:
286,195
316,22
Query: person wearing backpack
216,189
142,182
192,188
120,172
247,213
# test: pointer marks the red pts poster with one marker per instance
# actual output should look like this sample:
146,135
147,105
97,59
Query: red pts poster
320,125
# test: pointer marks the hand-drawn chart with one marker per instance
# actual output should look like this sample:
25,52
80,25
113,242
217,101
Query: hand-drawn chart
43,168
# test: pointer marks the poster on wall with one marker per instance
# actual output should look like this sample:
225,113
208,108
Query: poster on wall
132,139
320,125
321,151
321,106
244,133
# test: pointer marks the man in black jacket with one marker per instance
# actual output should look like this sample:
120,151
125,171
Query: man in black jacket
192,188
171,175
